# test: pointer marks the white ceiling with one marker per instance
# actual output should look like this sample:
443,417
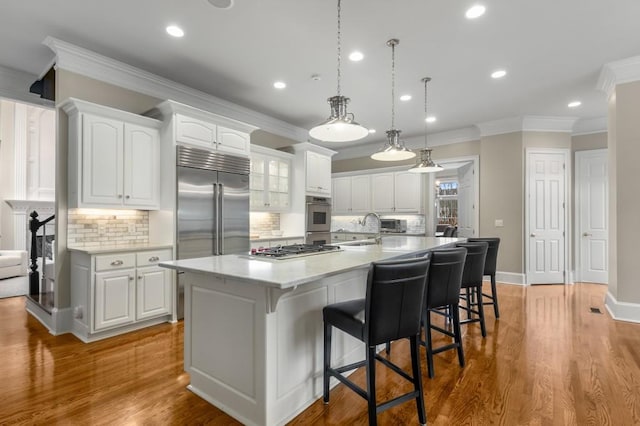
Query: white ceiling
553,52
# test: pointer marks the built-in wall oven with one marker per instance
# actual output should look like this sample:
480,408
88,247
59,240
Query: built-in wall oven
318,216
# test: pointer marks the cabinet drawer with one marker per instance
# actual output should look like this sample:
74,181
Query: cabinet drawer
107,262
150,258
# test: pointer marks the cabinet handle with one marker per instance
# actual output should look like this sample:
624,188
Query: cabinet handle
117,263
586,234
130,278
154,259
127,197
139,277
119,195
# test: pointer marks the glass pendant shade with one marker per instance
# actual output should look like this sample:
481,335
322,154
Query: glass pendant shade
393,150
426,164
340,126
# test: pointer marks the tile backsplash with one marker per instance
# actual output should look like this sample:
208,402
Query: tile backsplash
88,228
263,223
415,223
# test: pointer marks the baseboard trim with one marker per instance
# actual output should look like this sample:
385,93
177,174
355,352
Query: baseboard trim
40,314
510,278
622,311
62,320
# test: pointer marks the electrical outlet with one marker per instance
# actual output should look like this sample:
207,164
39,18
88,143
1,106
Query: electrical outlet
499,223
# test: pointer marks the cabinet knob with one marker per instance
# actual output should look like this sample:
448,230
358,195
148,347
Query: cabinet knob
127,197
139,277
154,259
119,195
130,278
117,263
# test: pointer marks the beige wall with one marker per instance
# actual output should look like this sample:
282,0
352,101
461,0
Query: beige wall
546,140
502,196
625,156
269,140
589,142
71,85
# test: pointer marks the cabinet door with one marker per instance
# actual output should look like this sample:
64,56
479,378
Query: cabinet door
382,192
153,296
194,131
318,173
102,161
141,166
278,182
361,194
341,200
114,298
258,183
232,141
408,196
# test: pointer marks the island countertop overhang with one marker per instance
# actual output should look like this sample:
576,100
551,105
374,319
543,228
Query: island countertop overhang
289,273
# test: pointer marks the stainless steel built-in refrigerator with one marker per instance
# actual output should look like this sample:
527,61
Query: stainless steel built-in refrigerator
213,206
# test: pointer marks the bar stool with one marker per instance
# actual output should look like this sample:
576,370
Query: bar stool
490,269
391,310
472,282
443,292
448,232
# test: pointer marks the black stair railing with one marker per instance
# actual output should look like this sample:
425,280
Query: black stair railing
34,276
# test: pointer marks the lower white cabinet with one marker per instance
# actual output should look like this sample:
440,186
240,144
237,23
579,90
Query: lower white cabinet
112,293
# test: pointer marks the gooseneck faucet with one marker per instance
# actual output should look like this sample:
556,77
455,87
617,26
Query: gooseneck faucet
363,221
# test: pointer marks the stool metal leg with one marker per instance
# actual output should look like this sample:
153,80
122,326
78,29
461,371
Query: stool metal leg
417,379
458,338
371,385
479,303
494,294
427,333
327,361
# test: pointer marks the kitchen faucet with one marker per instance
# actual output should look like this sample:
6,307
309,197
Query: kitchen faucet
363,221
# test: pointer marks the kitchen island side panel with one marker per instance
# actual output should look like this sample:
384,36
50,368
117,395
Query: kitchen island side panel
263,366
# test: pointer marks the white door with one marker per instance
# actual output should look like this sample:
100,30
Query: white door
466,207
114,296
102,160
592,185
318,173
232,141
341,196
153,296
382,189
546,211
408,196
361,194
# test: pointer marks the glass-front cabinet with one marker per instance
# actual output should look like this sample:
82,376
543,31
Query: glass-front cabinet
270,180
447,202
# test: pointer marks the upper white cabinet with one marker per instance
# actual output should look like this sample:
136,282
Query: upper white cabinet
270,180
318,173
397,192
351,194
206,134
114,158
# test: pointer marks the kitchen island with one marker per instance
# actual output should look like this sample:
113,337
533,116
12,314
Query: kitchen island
253,327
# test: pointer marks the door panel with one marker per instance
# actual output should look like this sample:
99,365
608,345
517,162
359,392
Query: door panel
102,160
466,198
593,216
547,201
235,213
196,230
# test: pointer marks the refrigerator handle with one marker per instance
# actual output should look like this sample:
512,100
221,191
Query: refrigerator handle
216,220
221,218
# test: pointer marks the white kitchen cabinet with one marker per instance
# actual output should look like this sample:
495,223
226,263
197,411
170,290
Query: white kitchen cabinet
114,298
206,134
396,192
270,180
318,174
112,293
114,158
351,194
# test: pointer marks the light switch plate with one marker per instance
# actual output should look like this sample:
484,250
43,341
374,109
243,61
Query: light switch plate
499,223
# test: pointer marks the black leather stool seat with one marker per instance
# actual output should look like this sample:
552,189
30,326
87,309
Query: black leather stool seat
391,310
472,283
490,269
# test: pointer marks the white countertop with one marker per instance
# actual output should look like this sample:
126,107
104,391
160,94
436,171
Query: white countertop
293,272
119,248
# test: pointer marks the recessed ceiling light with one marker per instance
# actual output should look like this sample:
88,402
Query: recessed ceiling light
475,11
574,104
221,4
430,119
175,31
405,98
279,84
498,74
356,56
372,131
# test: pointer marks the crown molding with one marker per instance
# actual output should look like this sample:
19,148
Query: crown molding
465,134
618,72
534,123
308,146
501,126
15,85
590,126
90,64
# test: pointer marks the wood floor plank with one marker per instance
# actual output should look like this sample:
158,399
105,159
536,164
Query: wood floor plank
548,361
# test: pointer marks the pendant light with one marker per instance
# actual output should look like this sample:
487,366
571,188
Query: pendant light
394,149
425,164
341,125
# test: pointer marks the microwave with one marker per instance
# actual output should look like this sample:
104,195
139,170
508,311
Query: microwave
393,225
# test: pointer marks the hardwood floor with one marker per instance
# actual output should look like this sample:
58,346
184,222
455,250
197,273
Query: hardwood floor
548,361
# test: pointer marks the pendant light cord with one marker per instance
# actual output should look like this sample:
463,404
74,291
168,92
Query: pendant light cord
339,45
426,80
393,84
